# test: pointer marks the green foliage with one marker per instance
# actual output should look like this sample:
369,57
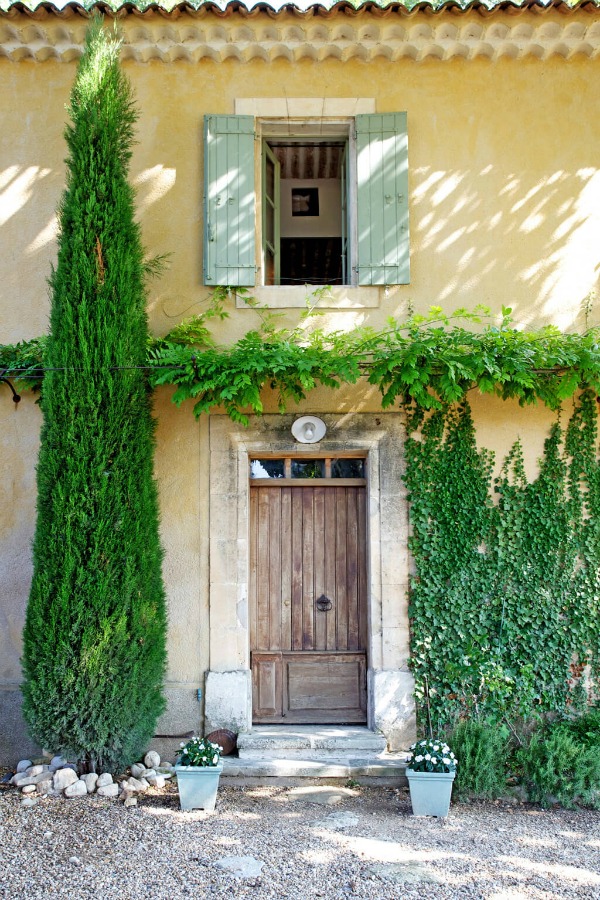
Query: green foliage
94,639
235,378
199,752
558,768
505,599
431,755
428,361
585,728
482,751
24,362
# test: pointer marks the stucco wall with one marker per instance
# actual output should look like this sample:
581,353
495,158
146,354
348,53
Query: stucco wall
504,209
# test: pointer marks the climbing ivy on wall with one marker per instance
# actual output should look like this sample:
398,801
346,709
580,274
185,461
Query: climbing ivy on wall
505,599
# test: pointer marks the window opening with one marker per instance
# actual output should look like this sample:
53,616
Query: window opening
267,468
305,211
347,468
308,468
321,468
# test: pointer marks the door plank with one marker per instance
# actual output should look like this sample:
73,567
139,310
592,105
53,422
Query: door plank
362,569
330,585
320,617
352,567
296,569
286,568
253,584
341,603
273,574
308,587
262,587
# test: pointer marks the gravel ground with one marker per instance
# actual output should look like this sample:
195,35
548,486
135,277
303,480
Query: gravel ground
355,842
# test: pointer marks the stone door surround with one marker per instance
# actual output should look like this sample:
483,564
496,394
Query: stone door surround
228,699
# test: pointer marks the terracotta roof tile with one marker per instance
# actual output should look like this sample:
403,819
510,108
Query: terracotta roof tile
274,6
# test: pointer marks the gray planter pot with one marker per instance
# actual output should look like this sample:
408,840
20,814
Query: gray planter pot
430,792
198,786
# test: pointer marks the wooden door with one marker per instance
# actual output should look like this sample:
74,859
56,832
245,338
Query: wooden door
308,602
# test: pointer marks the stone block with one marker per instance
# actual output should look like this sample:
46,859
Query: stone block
394,563
396,651
228,646
392,706
228,701
223,515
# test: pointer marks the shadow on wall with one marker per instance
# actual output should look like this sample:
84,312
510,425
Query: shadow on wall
497,237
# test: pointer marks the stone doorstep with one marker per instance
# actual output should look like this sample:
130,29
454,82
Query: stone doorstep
307,741
390,767
292,754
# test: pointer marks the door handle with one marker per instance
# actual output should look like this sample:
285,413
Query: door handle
324,604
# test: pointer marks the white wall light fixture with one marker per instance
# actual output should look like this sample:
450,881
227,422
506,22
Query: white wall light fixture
309,429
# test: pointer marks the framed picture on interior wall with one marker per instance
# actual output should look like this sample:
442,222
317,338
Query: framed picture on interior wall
305,201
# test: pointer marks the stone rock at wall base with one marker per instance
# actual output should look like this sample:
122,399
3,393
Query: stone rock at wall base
157,781
63,778
90,781
134,785
104,779
77,789
108,790
45,786
152,759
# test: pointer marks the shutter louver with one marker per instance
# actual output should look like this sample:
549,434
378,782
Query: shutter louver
229,201
382,199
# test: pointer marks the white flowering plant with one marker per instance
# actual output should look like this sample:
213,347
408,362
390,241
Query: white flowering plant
199,752
431,756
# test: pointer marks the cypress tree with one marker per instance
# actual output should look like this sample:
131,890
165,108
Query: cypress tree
94,638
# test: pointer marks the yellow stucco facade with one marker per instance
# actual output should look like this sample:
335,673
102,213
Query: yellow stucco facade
504,202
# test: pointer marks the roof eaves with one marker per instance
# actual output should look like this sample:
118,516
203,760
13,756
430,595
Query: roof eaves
280,6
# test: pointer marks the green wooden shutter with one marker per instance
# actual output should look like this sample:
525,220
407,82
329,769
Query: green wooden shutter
382,199
229,201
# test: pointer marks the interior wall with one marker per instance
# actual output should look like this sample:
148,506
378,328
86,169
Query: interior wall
329,221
